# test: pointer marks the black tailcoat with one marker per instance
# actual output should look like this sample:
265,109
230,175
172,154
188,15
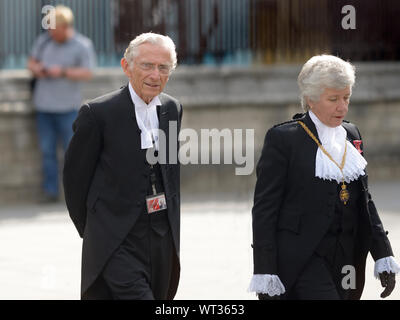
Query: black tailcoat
105,163
293,209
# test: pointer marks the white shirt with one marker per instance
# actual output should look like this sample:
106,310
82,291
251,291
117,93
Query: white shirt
147,120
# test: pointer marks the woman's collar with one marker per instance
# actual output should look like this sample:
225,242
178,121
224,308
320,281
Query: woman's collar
326,134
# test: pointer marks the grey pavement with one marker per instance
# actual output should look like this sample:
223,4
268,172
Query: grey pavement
40,251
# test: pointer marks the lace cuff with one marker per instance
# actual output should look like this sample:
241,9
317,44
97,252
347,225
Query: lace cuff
266,283
387,264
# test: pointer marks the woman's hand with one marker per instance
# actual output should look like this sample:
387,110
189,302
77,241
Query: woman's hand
388,281
264,296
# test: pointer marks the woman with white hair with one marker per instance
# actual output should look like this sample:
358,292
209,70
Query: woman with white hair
313,218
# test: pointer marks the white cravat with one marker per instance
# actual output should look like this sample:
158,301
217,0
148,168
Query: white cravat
146,117
333,139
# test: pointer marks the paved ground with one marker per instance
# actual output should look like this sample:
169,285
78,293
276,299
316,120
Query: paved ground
40,249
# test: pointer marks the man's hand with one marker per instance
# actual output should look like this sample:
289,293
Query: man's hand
388,281
264,296
55,72
37,68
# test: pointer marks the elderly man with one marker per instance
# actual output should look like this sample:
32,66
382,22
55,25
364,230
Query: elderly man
113,192
60,60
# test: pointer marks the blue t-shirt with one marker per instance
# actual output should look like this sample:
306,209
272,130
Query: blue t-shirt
61,94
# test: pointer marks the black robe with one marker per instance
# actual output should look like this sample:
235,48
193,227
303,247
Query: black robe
293,210
104,164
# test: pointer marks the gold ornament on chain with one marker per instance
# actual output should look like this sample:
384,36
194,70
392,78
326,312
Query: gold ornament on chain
344,195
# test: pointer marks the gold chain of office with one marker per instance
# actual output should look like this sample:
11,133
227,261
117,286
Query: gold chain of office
344,193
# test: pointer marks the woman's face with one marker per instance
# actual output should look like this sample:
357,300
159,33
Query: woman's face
332,106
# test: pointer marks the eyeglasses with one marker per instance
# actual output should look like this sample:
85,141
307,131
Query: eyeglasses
164,69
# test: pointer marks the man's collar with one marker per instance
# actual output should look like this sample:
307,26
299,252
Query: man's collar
138,102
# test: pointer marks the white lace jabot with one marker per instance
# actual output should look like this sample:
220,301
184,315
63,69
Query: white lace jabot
332,139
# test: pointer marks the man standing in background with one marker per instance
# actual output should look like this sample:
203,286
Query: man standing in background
60,60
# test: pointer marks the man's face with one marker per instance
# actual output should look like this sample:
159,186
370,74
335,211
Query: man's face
60,33
148,73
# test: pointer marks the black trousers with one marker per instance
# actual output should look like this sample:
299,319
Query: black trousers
315,282
140,269
321,279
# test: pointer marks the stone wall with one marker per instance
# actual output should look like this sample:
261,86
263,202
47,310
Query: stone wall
252,98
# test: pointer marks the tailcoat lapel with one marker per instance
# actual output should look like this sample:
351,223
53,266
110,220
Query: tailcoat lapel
321,188
128,108
163,119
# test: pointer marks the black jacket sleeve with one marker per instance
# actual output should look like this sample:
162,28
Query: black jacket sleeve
380,246
268,196
79,165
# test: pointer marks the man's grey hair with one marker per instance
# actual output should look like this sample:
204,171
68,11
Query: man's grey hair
321,72
154,38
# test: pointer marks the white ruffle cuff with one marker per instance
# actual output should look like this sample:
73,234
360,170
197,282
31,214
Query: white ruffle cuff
266,283
387,264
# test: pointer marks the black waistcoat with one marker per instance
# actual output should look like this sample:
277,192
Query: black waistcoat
337,246
158,221
156,170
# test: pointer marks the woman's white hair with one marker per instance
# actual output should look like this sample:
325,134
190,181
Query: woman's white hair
154,38
321,72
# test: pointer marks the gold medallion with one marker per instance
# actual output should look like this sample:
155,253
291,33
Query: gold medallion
344,194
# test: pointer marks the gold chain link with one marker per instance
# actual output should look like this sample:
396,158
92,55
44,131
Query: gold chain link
341,166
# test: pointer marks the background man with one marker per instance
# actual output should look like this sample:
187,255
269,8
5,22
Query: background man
60,59
130,249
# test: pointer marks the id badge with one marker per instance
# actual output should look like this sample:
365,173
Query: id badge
156,203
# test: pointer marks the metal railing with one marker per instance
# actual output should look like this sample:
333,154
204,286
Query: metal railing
215,31
21,23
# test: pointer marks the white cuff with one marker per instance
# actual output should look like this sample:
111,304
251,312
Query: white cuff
266,283
387,264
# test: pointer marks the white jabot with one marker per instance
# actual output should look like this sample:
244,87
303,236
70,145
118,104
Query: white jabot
146,117
333,140
266,283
